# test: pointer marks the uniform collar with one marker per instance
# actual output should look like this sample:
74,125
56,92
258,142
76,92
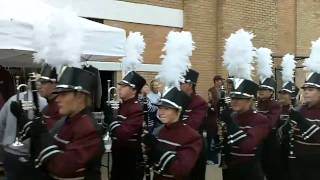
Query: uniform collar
173,125
131,100
78,115
245,114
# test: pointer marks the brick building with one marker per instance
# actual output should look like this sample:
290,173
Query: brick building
285,26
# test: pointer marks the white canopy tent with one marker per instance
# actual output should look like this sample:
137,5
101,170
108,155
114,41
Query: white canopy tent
17,18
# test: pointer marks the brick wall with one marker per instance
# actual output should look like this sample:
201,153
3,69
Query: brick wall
154,36
200,19
308,24
285,26
256,16
176,4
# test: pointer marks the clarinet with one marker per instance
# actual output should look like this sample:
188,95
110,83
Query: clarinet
222,128
35,96
145,130
291,139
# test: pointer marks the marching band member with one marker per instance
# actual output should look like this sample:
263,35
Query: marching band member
126,124
195,116
196,111
174,147
69,150
287,99
48,80
271,109
306,135
244,129
73,147
126,130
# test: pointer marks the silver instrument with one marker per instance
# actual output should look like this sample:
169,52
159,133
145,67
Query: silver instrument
114,102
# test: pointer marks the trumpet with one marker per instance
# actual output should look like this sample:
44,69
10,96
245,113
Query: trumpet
114,102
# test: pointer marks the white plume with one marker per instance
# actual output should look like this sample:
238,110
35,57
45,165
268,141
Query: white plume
313,62
264,63
58,39
176,61
238,54
134,49
288,65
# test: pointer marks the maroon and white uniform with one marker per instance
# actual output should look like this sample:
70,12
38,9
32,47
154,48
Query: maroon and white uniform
245,136
271,152
76,150
126,148
51,113
183,145
306,144
196,112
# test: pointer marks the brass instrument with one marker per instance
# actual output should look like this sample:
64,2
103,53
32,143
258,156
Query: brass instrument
114,102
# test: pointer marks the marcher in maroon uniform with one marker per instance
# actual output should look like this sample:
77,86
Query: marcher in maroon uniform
196,111
174,147
126,130
271,153
287,100
307,132
74,147
246,131
48,82
195,116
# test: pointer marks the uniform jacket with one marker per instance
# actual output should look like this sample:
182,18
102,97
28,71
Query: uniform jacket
126,136
51,113
126,146
284,113
256,128
196,112
81,148
186,143
308,148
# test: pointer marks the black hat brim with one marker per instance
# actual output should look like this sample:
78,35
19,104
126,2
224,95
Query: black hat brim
166,104
309,85
59,90
285,91
122,83
265,88
239,96
62,90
